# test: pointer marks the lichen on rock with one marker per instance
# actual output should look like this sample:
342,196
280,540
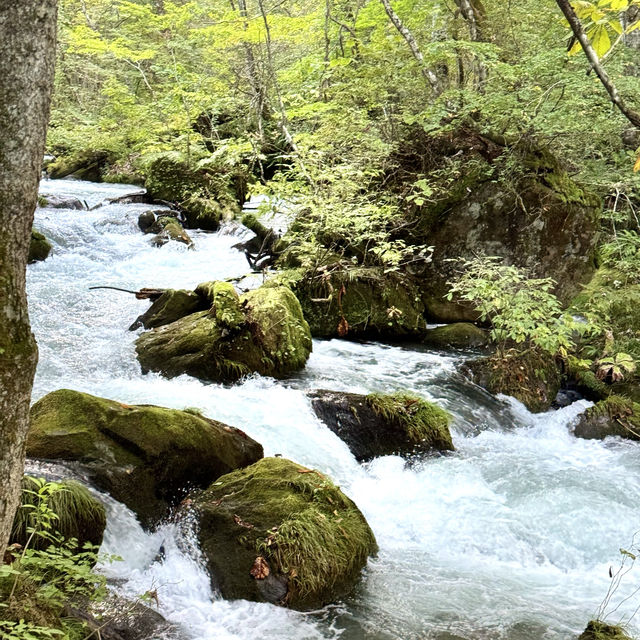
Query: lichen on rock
279,532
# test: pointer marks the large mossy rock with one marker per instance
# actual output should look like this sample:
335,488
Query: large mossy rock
514,202
379,425
79,514
358,303
47,201
144,456
597,630
281,533
615,416
532,378
203,196
39,247
263,331
459,335
83,165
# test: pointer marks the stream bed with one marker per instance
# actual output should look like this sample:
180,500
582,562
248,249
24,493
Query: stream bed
510,537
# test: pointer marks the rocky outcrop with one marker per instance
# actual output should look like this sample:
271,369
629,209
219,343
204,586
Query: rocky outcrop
516,202
532,378
263,332
144,456
459,335
83,165
79,514
281,533
379,425
597,630
39,247
357,303
615,416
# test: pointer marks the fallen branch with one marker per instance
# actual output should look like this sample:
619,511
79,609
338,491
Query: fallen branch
143,294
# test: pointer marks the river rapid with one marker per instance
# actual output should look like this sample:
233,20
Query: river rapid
510,537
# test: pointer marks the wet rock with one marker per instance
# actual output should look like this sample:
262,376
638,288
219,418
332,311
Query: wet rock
615,416
263,331
172,305
281,533
357,303
167,229
532,378
597,630
379,425
61,202
146,221
83,165
144,456
80,514
39,247
460,335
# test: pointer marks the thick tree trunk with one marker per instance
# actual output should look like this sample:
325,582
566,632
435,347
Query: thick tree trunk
576,26
27,56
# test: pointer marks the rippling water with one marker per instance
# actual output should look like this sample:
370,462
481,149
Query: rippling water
510,537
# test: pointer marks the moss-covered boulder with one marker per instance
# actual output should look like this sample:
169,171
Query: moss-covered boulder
533,378
172,305
263,331
39,247
203,195
379,425
83,165
597,630
144,456
166,229
47,201
459,335
79,514
282,533
513,201
615,416
357,303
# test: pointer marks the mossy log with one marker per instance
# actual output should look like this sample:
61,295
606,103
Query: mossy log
282,533
144,456
378,425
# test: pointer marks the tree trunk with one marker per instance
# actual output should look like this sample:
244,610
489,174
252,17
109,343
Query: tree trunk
430,77
27,57
576,26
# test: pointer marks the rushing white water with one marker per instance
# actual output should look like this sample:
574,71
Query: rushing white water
511,536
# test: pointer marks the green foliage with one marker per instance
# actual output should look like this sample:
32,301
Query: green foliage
522,310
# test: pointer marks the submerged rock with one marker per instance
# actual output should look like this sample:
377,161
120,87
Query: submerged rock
39,247
615,416
263,332
379,425
281,533
79,514
460,335
532,378
597,630
60,202
357,303
172,305
144,456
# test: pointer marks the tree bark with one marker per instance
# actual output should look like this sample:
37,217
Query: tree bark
430,77
576,26
27,58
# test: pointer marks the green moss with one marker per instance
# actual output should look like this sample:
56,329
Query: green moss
39,247
422,420
459,335
307,530
373,303
597,630
615,415
79,514
84,165
531,377
169,228
226,306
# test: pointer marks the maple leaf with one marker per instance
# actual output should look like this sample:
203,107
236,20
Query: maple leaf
260,569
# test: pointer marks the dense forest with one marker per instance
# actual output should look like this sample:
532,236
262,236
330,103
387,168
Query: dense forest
397,241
